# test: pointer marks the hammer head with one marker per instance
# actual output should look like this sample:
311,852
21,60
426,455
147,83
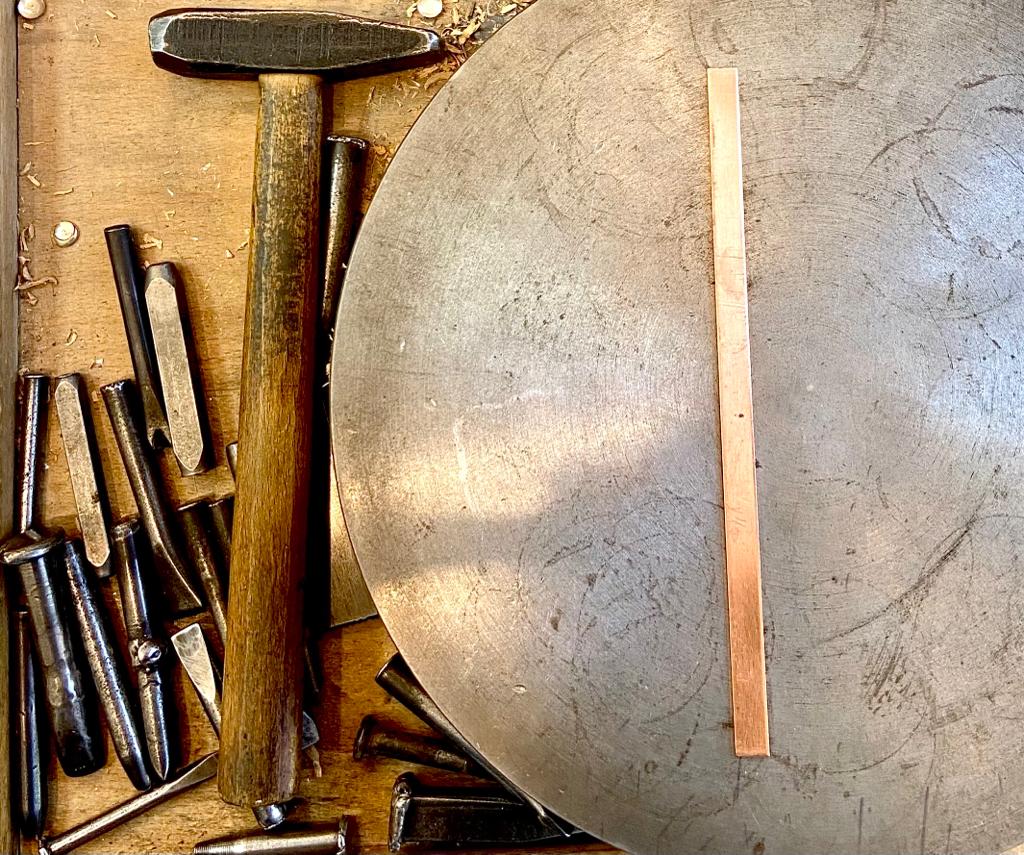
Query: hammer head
242,43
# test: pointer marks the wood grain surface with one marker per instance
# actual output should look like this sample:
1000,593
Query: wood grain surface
742,542
107,137
262,705
8,366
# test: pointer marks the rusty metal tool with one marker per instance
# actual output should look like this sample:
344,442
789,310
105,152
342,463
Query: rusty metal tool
195,521
108,673
397,679
379,739
33,396
87,484
290,53
204,674
327,838
344,168
180,594
131,294
202,770
179,372
69,694
222,512
456,817
146,647
29,732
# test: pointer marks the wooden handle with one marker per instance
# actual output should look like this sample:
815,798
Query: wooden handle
262,672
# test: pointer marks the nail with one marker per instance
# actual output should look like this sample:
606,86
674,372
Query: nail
29,732
320,839
179,377
146,648
130,293
454,817
107,671
194,522
375,739
68,692
202,770
79,438
33,391
397,680
143,474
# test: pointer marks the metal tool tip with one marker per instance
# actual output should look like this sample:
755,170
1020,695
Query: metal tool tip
366,728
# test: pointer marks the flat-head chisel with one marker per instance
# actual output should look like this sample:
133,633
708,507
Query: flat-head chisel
290,53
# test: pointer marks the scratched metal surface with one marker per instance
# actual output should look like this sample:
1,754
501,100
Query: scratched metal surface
526,429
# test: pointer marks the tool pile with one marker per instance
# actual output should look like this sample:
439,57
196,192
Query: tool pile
75,657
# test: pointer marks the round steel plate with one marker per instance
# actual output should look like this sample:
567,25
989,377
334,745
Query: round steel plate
525,418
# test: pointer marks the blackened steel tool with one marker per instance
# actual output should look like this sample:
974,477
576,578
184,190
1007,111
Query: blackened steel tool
33,396
378,739
195,522
146,647
108,673
179,370
180,594
221,515
397,679
290,52
69,694
29,732
452,817
130,293
343,176
329,838
202,770
204,674
84,468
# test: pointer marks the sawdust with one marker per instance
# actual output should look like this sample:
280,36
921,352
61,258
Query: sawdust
469,24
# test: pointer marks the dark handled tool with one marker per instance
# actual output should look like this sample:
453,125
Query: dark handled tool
33,396
179,375
180,595
146,647
130,293
69,694
289,52
191,776
108,674
222,513
457,817
343,177
329,838
377,739
87,482
29,732
195,522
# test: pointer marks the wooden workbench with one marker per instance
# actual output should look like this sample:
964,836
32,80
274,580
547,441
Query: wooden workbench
105,138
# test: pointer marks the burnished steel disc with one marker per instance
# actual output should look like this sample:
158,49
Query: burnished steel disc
525,418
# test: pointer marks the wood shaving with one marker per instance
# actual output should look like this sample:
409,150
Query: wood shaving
97,362
228,253
243,245
35,182
205,167
27,26
168,215
111,13
150,242
67,192
170,192
25,169
28,285
72,338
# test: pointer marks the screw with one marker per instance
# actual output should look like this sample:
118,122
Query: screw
31,9
65,233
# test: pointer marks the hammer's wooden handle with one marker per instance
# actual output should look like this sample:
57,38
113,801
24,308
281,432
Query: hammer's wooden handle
259,739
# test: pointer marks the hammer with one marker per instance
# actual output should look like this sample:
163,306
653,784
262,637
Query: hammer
289,52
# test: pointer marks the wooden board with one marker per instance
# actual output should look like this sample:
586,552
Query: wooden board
742,544
110,138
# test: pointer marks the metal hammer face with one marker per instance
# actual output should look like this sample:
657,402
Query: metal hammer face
241,43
